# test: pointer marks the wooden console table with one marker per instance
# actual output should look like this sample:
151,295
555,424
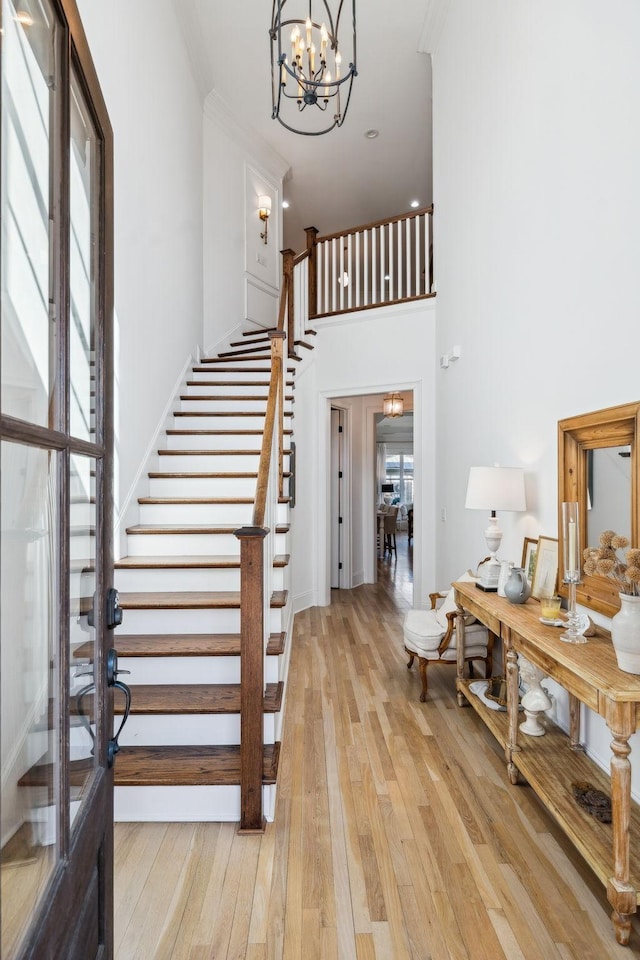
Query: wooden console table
590,675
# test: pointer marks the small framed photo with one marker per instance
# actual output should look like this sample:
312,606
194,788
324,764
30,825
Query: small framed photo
529,549
545,572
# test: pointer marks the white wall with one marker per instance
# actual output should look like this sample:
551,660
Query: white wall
359,354
537,203
156,116
241,273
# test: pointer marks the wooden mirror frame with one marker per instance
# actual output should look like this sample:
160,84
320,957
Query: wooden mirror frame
612,427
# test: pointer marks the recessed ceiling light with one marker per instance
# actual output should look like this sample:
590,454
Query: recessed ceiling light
371,134
415,203
285,204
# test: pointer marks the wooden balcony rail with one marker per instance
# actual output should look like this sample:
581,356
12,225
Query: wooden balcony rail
389,261
255,587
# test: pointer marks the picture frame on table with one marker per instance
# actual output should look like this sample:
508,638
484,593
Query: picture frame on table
529,550
545,573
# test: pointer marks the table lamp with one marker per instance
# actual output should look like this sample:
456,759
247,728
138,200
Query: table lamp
494,488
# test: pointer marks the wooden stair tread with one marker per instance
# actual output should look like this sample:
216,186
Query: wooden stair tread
247,351
196,500
226,396
188,765
192,600
42,774
257,338
191,562
301,343
192,528
203,476
151,699
235,359
181,645
209,453
217,433
225,413
260,332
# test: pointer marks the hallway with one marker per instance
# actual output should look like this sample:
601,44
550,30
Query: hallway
397,834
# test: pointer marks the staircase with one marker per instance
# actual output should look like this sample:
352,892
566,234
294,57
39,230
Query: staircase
180,591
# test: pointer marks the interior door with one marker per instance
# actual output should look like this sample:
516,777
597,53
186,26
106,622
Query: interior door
337,539
56,463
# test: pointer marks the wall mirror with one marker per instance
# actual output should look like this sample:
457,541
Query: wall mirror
599,467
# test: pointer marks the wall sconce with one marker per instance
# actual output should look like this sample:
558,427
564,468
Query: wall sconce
264,212
393,405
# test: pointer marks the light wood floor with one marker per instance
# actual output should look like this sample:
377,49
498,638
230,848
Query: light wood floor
396,836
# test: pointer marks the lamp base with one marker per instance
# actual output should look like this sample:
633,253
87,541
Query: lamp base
487,587
489,575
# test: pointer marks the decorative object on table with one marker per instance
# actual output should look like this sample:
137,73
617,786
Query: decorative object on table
625,625
517,589
550,610
576,624
483,689
506,566
387,490
313,64
545,571
494,488
528,562
536,700
594,801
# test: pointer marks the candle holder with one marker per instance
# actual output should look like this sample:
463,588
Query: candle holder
576,622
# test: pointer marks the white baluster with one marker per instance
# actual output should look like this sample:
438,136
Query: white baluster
390,271
416,284
407,237
357,284
349,270
374,263
427,272
365,291
399,230
334,274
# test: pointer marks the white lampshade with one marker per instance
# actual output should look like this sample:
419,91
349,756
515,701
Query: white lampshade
496,488
264,207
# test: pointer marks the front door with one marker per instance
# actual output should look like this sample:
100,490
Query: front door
56,465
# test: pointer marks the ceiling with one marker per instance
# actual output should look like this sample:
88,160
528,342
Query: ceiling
341,179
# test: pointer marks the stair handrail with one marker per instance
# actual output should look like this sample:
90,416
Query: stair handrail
252,587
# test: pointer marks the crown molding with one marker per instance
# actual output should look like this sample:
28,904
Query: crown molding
219,111
434,21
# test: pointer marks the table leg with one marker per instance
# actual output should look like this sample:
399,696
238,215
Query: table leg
574,723
462,700
512,706
621,895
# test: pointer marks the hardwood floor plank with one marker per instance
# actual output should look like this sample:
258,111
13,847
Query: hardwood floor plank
397,833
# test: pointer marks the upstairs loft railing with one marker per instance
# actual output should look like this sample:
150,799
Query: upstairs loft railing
256,564
389,261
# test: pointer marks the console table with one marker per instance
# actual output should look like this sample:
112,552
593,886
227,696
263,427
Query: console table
590,675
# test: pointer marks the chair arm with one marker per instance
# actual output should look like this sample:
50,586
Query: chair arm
434,597
451,625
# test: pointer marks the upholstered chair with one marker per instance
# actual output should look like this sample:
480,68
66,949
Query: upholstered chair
430,635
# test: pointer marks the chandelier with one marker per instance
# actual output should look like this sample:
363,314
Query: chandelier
307,66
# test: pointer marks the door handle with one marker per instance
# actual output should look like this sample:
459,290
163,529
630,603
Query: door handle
112,681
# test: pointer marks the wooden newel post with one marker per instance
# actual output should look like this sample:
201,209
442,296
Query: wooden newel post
251,677
312,233
288,256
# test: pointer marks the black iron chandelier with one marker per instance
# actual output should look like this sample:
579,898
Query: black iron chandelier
307,65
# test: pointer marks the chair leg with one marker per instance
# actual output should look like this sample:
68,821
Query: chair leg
411,658
423,676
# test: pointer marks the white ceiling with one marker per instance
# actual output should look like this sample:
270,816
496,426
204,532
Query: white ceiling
341,179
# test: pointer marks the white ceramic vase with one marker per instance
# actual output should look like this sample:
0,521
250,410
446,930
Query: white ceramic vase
625,634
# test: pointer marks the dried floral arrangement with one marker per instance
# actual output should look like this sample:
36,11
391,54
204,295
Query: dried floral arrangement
604,560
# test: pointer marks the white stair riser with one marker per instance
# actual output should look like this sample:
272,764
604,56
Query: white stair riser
152,580
154,670
221,371
206,386
182,804
212,422
202,486
213,462
196,729
236,514
82,547
199,544
191,621
223,405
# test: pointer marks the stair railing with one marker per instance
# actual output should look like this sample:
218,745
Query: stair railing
389,261
255,586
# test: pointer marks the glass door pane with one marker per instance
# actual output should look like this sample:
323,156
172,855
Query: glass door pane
83,266
81,721
30,43
29,623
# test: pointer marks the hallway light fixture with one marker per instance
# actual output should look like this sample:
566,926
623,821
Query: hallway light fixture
393,405
264,212
307,65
